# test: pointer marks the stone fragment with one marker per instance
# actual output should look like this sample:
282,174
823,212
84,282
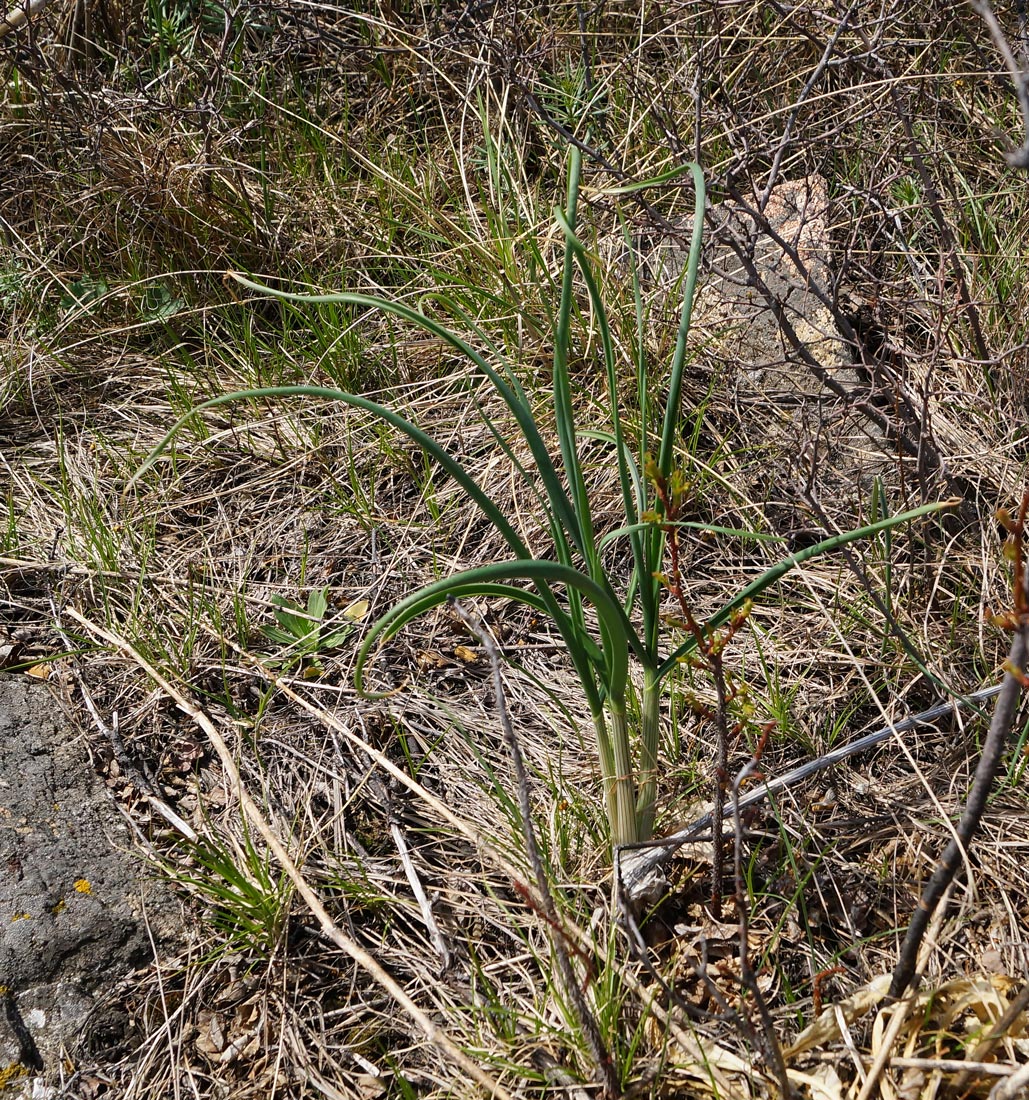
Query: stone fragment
71,893
783,406
734,314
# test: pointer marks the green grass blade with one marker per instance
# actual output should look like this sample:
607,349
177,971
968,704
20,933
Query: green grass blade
692,525
673,413
607,343
643,185
586,656
564,415
673,409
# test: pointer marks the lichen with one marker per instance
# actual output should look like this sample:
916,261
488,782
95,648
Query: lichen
11,1072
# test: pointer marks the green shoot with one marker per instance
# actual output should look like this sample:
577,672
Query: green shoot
570,585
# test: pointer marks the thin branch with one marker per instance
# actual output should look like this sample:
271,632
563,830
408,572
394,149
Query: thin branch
424,904
859,571
1017,158
770,1044
791,122
901,1011
133,773
948,244
989,763
953,1065
776,306
984,1048
1011,1087
638,860
721,776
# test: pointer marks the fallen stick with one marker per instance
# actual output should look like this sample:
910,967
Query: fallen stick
638,862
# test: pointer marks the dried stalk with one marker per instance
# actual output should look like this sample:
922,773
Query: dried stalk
769,1042
651,855
573,991
984,1048
358,954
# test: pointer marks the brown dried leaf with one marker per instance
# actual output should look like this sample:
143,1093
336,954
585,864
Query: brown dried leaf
210,1039
826,1029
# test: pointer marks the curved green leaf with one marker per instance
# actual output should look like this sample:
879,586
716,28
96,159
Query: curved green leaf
520,408
780,569
618,634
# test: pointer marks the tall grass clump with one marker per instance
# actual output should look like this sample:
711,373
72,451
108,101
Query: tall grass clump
609,621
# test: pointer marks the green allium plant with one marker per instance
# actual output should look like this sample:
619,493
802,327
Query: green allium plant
572,576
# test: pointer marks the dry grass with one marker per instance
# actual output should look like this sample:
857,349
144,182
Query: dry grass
354,148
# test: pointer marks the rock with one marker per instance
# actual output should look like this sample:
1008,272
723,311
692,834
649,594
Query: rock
736,314
782,406
72,892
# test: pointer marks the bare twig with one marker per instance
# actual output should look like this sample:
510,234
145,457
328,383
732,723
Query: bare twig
1017,158
993,748
952,1065
857,568
591,1030
948,244
721,775
654,853
791,122
744,254
424,905
900,1010
770,1042
638,950
1010,1088
127,766
335,725
709,656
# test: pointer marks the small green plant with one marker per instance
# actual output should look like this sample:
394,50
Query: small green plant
305,633
83,293
158,303
13,284
572,578
247,895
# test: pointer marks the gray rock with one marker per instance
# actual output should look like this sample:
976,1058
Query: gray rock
734,316
782,406
71,891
